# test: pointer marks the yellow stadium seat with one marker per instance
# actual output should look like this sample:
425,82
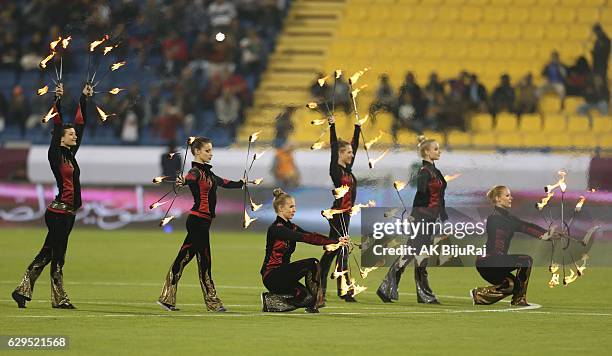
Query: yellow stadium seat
564,15
587,15
407,138
487,32
506,122
509,31
524,2
605,141
478,50
578,124
572,103
447,14
572,3
556,32
415,31
525,50
517,14
532,31
533,139
559,140
481,122
509,140
477,2
424,14
494,14
442,31
483,140
503,3
602,124
540,15
550,103
530,123
583,141
502,50
458,138
463,31
471,14
454,2
579,32
548,2
435,135
554,124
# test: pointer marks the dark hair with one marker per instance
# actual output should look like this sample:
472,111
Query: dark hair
66,126
341,144
198,142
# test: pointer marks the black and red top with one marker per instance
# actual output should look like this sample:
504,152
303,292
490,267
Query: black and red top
281,240
62,159
429,199
203,185
343,175
501,227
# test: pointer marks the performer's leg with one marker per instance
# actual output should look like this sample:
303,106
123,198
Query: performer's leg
519,294
421,277
59,244
184,256
325,265
497,271
212,301
388,289
287,293
24,290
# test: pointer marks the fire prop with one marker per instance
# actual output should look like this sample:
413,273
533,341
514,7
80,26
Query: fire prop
247,221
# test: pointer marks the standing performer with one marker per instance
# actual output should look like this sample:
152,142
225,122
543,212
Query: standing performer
427,207
203,185
497,265
340,170
280,276
60,214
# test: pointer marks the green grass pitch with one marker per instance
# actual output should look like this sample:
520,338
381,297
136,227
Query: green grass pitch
114,279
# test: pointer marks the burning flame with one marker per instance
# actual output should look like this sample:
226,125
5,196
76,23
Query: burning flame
171,154
357,208
312,105
553,268
399,185
364,120
190,140
53,44
580,203
356,288
51,114
329,213
337,274
247,220
103,116
322,80
364,272
580,269
374,140
341,191
115,91
554,280
94,44
254,136
43,63
356,91
159,179
570,279
255,207
332,247
258,155
450,177
66,42
157,204
318,122
107,49
257,181
592,190
338,73
317,145
165,221
544,201
118,65
43,90
373,162
355,77
560,183
391,212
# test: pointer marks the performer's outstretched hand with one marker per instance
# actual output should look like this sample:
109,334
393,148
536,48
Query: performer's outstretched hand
88,90
331,120
180,180
344,240
59,90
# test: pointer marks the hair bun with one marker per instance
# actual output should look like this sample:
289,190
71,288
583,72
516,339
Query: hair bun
421,139
277,192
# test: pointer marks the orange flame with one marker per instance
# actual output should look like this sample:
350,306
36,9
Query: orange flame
159,179
118,65
570,279
257,181
42,91
53,44
544,201
322,80
369,144
94,44
190,140
66,42
341,191
318,122
553,268
337,274
399,185
373,161
247,220
580,269
51,114
332,247
317,145
355,77
158,204
165,221
338,73
258,155
364,120
450,177
43,63
357,208
365,271
312,105
554,280
107,49
356,288
356,91
255,207
103,116
115,91
580,203
254,136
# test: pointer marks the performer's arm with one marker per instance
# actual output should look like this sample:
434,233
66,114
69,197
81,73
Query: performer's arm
334,168
228,184
355,142
423,178
529,228
282,232
81,116
54,155
192,177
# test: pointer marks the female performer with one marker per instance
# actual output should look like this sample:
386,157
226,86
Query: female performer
340,170
203,185
59,217
497,266
280,276
427,207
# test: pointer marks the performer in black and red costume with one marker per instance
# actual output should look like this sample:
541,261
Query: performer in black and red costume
203,184
428,206
497,266
340,171
59,217
280,276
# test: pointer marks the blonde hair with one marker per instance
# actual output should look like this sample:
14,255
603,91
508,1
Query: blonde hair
424,144
280,198
495,192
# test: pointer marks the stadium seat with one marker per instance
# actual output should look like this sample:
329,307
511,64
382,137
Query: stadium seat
554,124
517,14
481,122
550,103
578,125
438,136
583,141
572,103
559,140
494,14
506,122
509,140
605,141
534,140
530,123
459,139
483,140
602,125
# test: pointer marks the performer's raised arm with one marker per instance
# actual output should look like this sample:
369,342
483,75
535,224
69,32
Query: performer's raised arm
80,118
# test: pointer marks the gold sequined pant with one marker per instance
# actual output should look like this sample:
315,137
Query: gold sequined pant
497,270
53,251
197,243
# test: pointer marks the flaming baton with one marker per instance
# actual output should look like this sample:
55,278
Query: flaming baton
352,81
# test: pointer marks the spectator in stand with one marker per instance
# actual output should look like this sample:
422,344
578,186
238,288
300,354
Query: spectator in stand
284,168
405,115
526,97
251,53
168,122
221,14
417,99
577,76
227,108
171,161
597,97
601,52
19,109
342,95
174,49
436,116
3,111
9,52
284,126
152,105
385,98
476,94
212,92
503,96
433,87
319,92
33,54
555,74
